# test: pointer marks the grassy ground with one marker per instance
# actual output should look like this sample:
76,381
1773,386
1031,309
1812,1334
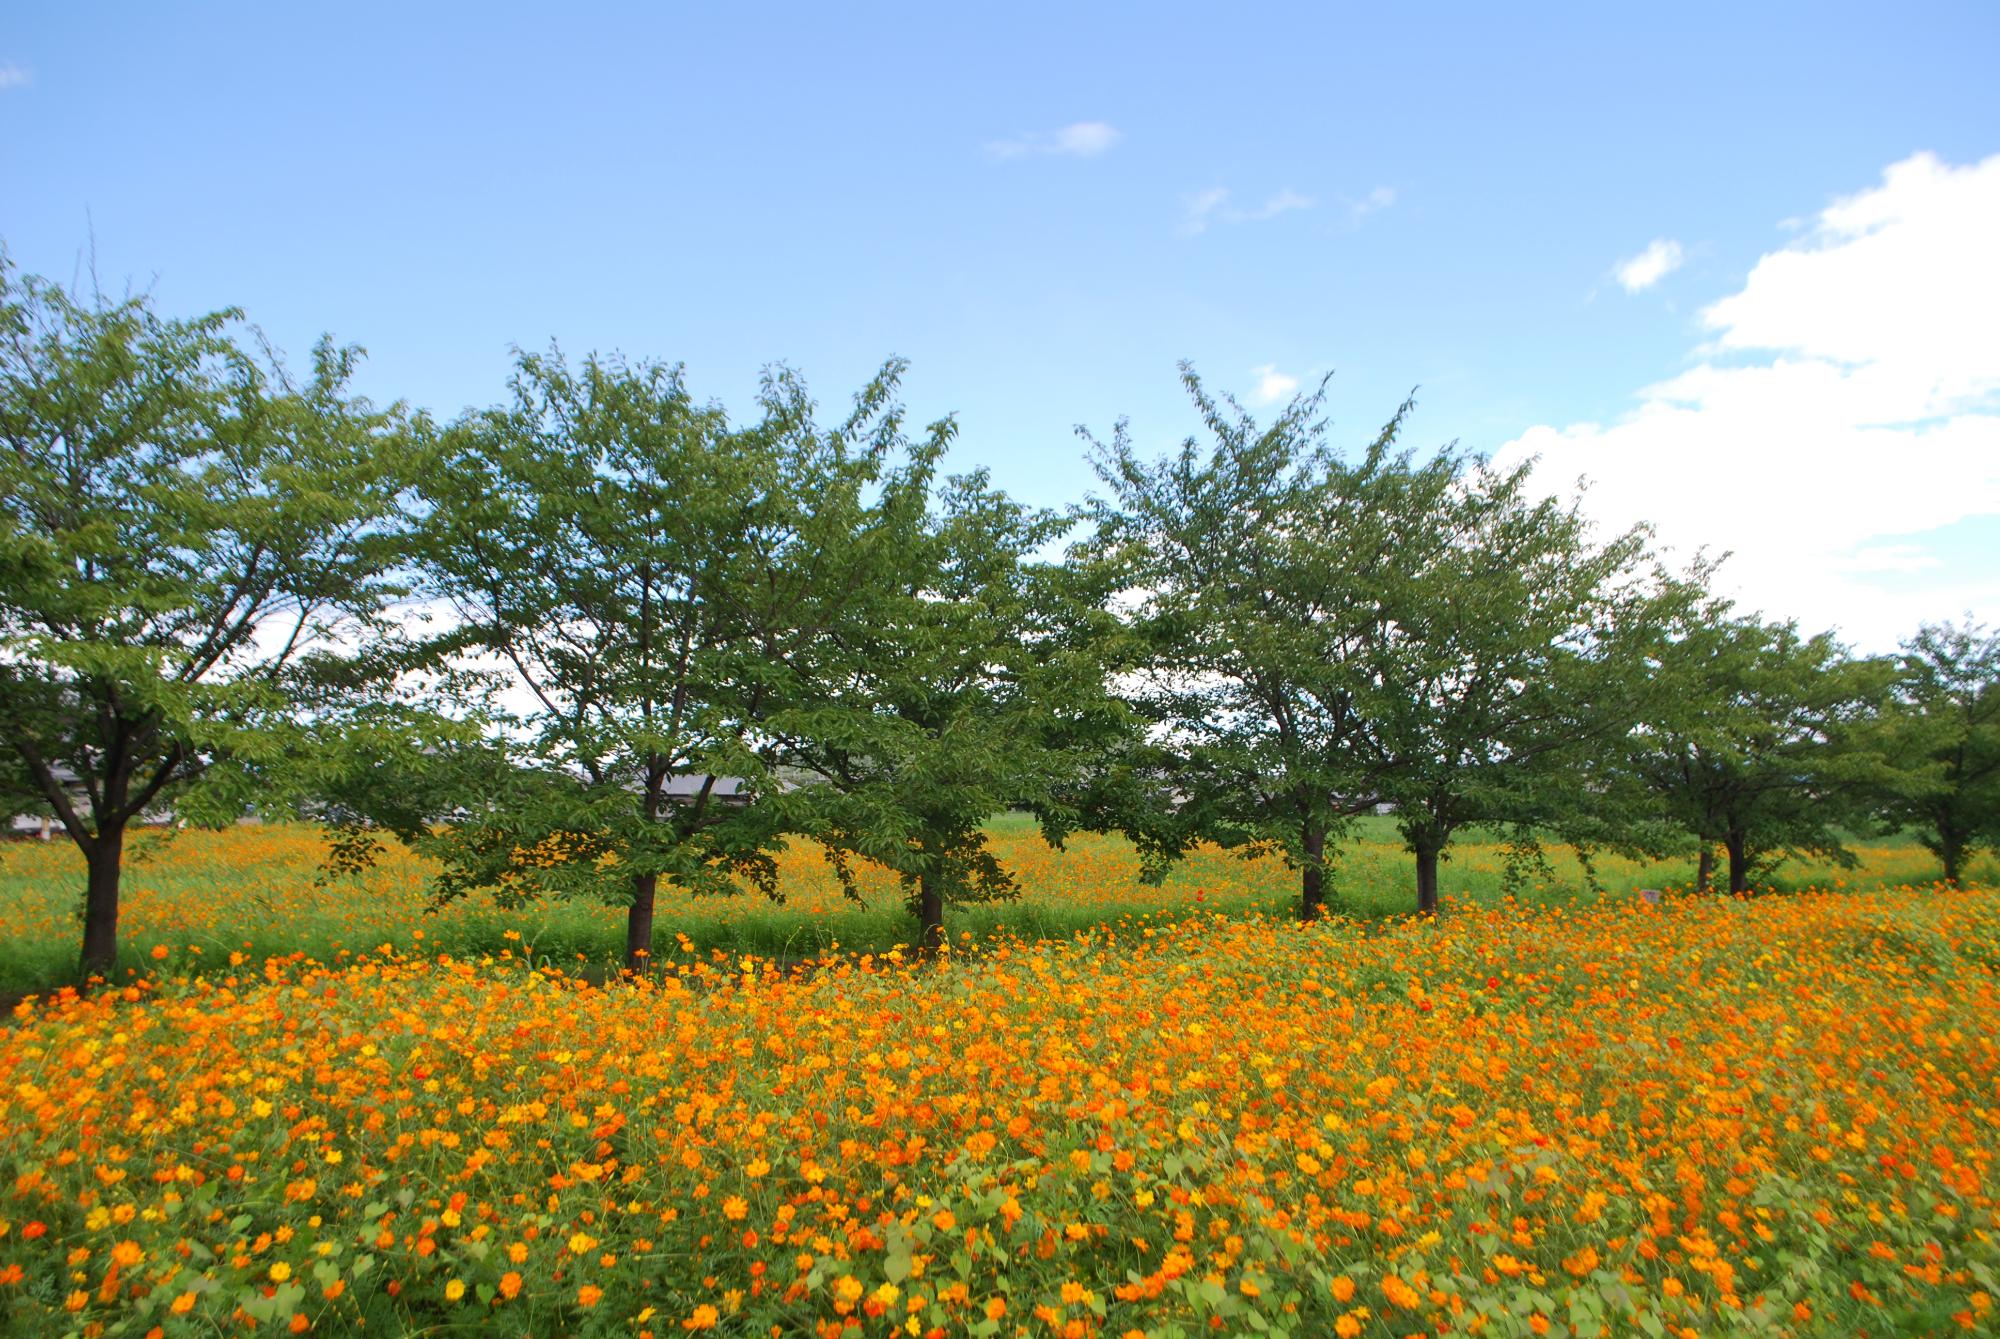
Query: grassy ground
195,901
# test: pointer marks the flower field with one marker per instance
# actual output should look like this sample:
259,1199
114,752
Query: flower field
1703,1118
196,899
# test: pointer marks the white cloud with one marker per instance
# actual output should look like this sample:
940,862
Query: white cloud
1212,206
1846,404
15,76
1898,284
1084,139
1889,558
1272,385
1650,266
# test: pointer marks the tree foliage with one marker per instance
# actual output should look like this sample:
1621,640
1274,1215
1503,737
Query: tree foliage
643,578
650,623
1942,736
1762,738
1499,673
196,554
967,680
1254,560
1324,635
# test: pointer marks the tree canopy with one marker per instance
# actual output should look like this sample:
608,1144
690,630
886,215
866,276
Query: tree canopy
1942,737
1497,678
644,579
1254,562
1325,635
967,679
1761,741
598,637
197,550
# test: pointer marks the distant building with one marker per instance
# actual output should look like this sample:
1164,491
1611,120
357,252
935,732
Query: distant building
31,825
46,825
686,788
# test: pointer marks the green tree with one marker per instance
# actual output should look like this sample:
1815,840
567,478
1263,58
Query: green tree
969,680
1761,740
1943,737
1499,669
1323,635
1255,560
641,577
192,546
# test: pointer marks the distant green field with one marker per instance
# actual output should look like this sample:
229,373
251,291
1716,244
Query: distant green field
202,897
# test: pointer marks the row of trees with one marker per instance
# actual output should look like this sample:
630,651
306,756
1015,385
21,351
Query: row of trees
549,641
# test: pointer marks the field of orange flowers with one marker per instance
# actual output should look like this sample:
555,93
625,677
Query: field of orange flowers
195,900
1708,1117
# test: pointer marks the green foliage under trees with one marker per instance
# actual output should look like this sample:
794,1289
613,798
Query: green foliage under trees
196,552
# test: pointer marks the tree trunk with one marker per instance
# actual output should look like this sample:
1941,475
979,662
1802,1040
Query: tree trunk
103,858
930,917
1704,867
1739,862
1951,850
1427,880
1312,883
639,923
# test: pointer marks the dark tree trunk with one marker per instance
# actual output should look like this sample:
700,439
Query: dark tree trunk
1704,867
1951,850
639,923
1427,880
103,857
645,887
930,917
1312,882
1739,862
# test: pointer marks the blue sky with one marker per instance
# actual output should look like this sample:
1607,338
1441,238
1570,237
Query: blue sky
1044,207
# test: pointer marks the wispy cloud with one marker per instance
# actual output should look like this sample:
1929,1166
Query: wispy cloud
1200,210
15,76
1084,139
1272,385
1650,266
1284,202
1374,202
